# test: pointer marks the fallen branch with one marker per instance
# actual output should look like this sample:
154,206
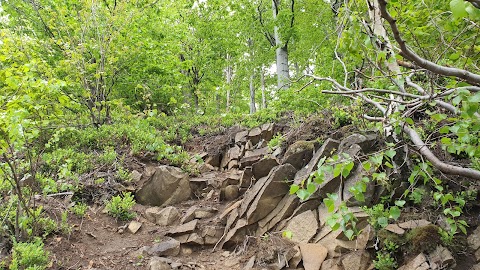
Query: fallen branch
420,146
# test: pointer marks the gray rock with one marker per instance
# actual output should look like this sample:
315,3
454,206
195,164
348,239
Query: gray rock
189,215
442,258
249,265
263,167
332,264
357,260
268,131
158,265
364,141
254,135
213,160
184,228
229,193
313,255
241,137
303,227
167,247
299,154
416,263
284,209
326,150
164,217
246,177
269,193
474,239
168,185
253,156
136,176
134,226
203,213
233,153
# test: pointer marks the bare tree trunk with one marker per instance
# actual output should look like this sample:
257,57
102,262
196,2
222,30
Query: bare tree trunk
262,82
283,75
253,109
229,73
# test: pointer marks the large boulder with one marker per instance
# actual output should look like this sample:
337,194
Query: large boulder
168,185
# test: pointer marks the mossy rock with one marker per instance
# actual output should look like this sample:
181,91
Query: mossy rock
385,236
423,239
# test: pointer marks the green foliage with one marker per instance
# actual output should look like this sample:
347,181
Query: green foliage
79,209
29,256
379,217
120,206
344,219
276,141
385,261
342,117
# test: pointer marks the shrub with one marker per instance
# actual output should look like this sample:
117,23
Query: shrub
29,256
120,206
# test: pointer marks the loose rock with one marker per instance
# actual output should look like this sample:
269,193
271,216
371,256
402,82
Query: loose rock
167,247
313,255
134,226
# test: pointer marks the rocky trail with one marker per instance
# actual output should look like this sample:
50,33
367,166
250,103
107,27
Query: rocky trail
233,215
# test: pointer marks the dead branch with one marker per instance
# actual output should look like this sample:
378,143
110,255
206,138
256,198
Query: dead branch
422,62
420,146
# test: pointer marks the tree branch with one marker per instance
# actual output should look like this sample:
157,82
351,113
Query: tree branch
420,146
422,62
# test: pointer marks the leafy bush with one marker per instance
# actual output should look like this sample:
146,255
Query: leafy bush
29,256
120,206
79,209
385,261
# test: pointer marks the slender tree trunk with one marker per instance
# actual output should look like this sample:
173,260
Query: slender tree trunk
253,109
283,76
229,73
262,82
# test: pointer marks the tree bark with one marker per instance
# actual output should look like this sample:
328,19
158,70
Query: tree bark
283,75
420,146
228,75
262,82
253,109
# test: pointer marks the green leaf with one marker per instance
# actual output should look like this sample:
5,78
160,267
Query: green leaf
458,8
294,188
337,170
395,212
475,98
454,56
303,194
382,221
311,188
390,153
367,165
445,130
347,169
349,234
287,234
409,121
400,203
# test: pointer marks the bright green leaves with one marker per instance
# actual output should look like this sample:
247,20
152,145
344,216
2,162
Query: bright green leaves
458,8
461,9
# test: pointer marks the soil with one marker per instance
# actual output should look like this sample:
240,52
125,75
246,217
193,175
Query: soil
98,241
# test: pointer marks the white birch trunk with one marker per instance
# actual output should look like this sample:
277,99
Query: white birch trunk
262,82
229,74
283,76
253,109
